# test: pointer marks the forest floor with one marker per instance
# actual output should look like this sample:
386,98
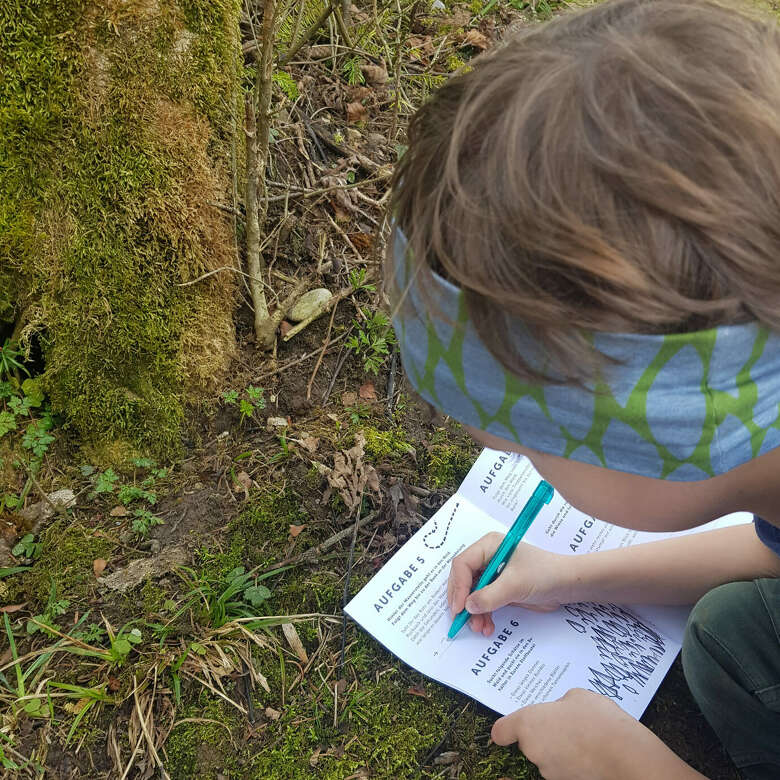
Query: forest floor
184,619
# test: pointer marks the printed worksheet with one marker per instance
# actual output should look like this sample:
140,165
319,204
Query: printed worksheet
620,651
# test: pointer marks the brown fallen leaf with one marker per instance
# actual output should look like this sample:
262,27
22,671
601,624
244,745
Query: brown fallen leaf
349,398
309,443
417,690
291,635
98,566
119,511
476,39
272,714
9,608
356,112
367,391
341,686
350,475
296,529
375,74
285,327
359,93
113,684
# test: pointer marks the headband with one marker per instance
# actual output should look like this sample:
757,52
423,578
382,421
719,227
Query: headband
683,407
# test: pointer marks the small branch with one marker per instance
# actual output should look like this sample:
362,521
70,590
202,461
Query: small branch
325,345
308,34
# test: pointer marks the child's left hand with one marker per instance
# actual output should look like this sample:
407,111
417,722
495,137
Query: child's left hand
586,736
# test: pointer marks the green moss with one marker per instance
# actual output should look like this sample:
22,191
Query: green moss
116,131
201,749
264,527
66,559
386,444
448,464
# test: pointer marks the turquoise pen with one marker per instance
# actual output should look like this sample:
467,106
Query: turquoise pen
541,496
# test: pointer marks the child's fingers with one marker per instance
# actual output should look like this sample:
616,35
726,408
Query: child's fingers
466,566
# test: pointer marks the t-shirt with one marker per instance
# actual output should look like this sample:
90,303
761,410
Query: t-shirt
769,534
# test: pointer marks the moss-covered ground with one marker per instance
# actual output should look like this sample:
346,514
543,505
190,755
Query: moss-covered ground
120,128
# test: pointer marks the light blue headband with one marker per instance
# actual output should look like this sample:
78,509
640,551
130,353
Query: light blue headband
681,407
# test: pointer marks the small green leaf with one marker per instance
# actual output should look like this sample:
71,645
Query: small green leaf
256,595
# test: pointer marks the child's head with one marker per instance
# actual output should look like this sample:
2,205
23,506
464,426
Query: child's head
616,169
591,205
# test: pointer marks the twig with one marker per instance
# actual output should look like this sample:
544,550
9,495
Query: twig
258,137
340,22
315,552
346,581
308,34
291,363
391,382
336,371
325,345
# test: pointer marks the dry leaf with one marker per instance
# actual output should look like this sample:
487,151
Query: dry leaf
448,757
119,511
367,392
375,74
476,39
350,475
359,93
245,481
356,112
291,635
418,690
9,608
296,529
285,327
98,565
272,714
309,443
113,684
341,686
349,398
315,757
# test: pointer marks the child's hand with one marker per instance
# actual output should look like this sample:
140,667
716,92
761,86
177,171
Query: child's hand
586,736
533,578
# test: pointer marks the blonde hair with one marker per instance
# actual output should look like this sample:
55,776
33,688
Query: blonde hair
616,169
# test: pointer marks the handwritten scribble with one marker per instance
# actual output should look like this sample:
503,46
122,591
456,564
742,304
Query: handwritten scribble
628,649
435,530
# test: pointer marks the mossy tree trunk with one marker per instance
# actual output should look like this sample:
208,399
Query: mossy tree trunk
117,136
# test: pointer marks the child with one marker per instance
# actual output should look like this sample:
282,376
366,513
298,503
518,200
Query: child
587,271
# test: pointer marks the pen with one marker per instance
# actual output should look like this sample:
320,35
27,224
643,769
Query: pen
541,496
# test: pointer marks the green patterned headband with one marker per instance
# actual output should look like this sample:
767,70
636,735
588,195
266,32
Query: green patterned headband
682,407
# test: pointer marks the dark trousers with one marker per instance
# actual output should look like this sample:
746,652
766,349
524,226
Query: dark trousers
731,659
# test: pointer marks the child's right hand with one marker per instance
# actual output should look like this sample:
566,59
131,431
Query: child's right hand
534,579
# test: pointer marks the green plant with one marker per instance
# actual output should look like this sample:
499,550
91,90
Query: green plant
144,521
286,83
357,280
284,450
105,481
373,340
248,402
54,608
9,360
236,595
27,547
352,72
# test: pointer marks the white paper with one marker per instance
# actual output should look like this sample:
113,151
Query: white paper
622,652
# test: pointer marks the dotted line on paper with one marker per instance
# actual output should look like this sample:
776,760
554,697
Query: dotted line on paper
436,528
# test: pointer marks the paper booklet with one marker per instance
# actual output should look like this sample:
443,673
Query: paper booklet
617,650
